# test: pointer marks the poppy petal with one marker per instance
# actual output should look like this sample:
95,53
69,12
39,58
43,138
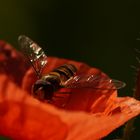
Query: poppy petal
12,62
23,117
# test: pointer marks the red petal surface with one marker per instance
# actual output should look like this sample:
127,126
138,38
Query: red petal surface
12,63
21,117
85,114
25,118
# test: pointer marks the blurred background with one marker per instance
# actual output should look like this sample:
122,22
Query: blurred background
102,34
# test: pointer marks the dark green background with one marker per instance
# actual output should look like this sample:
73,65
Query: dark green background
102,34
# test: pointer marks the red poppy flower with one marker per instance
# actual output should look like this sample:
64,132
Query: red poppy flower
87,114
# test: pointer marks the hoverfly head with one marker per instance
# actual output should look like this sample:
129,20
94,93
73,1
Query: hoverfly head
43,90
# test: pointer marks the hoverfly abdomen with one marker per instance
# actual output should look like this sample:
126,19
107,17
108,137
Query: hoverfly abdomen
66,71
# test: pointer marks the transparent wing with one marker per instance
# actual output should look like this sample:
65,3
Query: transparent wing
34,53
93,81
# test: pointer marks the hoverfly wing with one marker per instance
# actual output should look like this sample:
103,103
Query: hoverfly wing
94,81
34,53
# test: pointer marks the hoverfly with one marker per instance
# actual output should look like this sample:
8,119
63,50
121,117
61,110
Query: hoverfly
63,76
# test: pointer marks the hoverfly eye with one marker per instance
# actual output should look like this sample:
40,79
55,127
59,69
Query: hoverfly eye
43,90
38,91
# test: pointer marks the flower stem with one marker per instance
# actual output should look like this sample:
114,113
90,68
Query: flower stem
129,127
